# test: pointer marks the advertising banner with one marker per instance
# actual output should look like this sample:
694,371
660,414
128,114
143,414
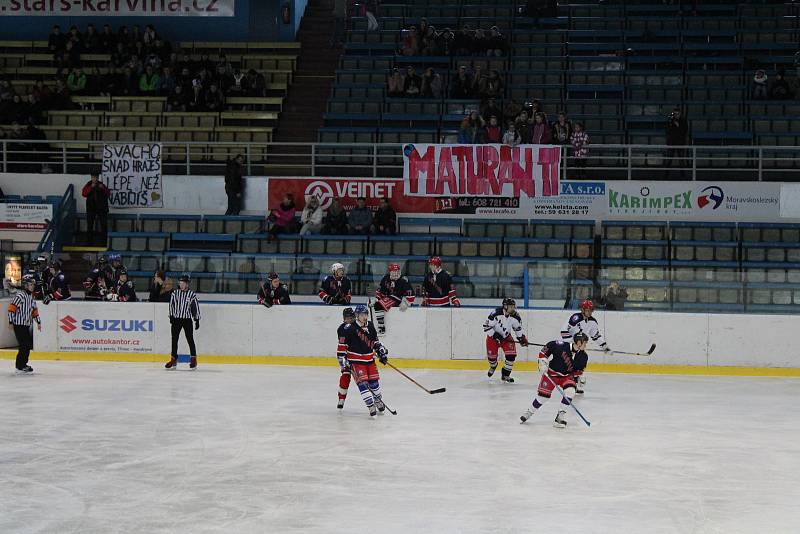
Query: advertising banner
481,170
117,8
119,328
33,217
133,174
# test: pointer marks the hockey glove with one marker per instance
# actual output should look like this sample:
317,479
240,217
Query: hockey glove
606,348
267,303
383,358
523,341
197,324
46,299
543,365
404,305
456,303
327,299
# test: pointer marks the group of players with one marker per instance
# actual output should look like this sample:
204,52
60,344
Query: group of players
562,362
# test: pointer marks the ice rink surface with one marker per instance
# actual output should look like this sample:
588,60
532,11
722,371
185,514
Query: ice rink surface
107,447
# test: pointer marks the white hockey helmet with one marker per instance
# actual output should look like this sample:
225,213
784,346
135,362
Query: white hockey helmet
335,268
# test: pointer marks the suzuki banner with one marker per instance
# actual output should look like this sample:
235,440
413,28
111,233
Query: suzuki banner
481,170
118,328
117,8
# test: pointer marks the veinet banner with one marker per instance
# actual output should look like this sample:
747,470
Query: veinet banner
117,8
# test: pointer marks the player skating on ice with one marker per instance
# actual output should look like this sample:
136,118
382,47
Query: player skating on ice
560,363
503,330
348,316
394,290
584,322
438,289
22,312
359,341
336,288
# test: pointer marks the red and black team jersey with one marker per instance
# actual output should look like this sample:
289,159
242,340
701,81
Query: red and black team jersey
92,287
438,290
334,291
269,295
59,289
564,362
392,292
358,342
126,292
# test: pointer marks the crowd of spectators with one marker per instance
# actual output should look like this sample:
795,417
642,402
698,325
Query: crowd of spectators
314,219
425,40
463,84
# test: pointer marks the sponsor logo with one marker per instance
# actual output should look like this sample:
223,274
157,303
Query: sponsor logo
645,202
326,191
583,188
713,197
68,324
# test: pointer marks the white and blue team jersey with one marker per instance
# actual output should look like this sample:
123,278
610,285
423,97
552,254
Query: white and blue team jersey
500,326
578,323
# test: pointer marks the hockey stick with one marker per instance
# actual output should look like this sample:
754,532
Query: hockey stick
431,391
648,353
388,409
561,391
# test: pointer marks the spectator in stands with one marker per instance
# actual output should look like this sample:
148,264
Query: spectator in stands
490,108
412,85
396,84
614,297
108,41
196,101
462,42
57,41
471,130
136,34
335,222
176,100
760,85
35,109
238,83
524,127
409,42
496,44
431,84
75,38
479,43
540,130
385,222
120,56
429,45
282,218
580,149
60,98
96,194
70,57
91,40
494,134
214,99
676,129
149,82
160,288
124,36
779,89
478,78
461,86
360,219
511,110
311,217
149,36
130,82
234,184
562,130
491,86
511,137
42,93
168,82
76,81
17,111
256,85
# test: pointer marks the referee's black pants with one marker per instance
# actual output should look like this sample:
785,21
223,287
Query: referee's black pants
187,327
25,339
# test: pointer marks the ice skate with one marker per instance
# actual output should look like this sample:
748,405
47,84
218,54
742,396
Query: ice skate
193,362
340,404
524,417
491,371
506,377
373,411
25,370
171,364
381,406
580,383
561,419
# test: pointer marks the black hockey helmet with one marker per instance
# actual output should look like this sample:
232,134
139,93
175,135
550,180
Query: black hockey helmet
185,278
55,264
122,271
272,276
509,302
102,259
348,313
580,336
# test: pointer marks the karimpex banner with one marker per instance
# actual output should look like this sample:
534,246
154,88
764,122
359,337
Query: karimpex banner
118,328
481,170
117,8
26,217
132,172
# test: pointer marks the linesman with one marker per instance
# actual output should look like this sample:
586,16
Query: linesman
21,313
183,309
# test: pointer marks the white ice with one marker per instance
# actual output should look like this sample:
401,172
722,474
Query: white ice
121,447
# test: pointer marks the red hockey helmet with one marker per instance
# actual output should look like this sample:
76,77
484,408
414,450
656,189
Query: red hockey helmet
587,304
394,271
435,260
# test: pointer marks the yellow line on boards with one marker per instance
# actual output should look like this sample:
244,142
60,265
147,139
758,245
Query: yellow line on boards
461,365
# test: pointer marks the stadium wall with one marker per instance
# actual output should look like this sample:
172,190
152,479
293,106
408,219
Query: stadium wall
424,337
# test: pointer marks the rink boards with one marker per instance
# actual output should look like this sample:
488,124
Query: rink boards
425,337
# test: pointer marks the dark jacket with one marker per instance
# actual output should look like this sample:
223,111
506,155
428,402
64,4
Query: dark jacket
234,184
96,197
385,220
677,131
160,293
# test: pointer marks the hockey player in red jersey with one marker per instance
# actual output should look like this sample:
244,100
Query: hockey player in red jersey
272,292
559,364
438,289
336,288
394,290
502,327
360,341
348,316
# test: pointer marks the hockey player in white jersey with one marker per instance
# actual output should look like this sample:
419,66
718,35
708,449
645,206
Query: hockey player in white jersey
502,327
584,322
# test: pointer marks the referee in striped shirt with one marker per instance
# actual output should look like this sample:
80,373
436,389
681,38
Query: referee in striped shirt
21,313
183,309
